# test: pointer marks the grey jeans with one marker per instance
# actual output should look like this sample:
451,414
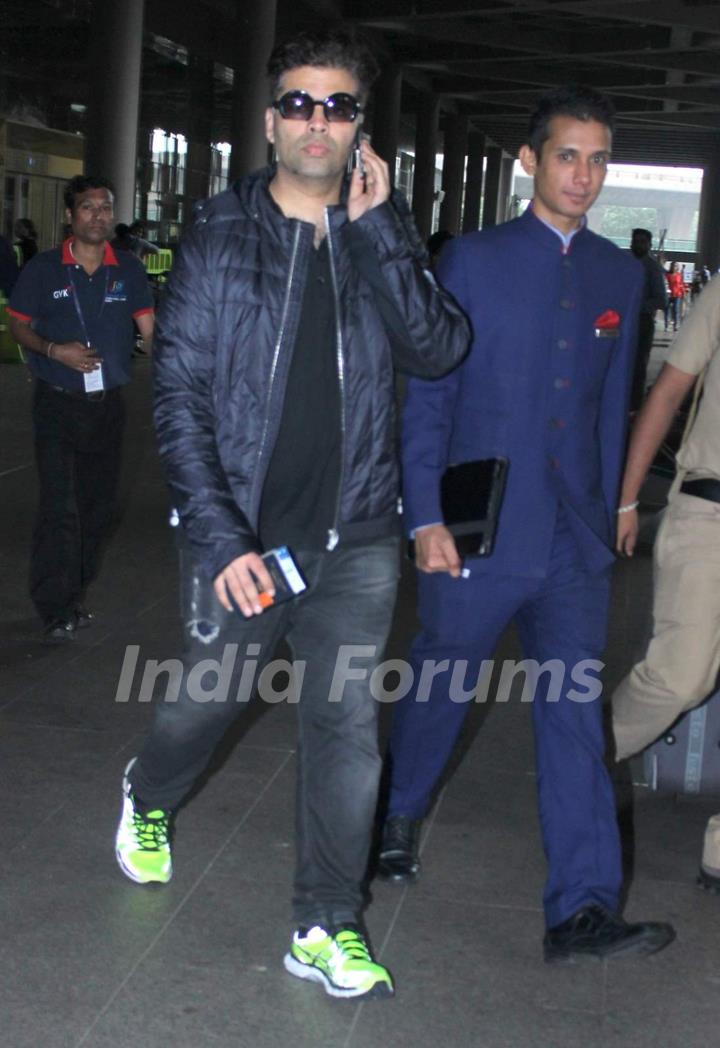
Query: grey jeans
349,602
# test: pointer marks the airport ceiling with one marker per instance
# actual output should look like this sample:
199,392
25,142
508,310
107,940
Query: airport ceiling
658,59
487,60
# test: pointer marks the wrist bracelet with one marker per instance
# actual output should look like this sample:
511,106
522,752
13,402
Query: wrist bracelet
48,351
628,508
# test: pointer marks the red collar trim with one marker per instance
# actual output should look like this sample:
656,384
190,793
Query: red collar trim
68,259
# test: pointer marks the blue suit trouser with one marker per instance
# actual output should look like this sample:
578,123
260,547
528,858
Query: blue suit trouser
560,617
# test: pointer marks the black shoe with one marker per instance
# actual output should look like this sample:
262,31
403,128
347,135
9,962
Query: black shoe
709,881
58,631
595,932
398,859
83,618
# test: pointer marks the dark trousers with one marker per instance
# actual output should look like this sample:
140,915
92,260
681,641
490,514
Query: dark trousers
645,336
344,615
562,617
77,450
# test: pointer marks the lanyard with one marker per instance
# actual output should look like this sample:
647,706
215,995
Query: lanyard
78,307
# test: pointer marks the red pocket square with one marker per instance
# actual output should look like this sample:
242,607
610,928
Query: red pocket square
608,319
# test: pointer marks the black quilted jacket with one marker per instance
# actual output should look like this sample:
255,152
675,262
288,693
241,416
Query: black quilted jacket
224,337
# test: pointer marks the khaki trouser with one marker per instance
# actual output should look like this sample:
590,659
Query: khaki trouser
682,661
711,848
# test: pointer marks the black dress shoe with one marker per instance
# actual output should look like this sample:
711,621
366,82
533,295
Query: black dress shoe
58,631
709,881
398,859
595,932
83,618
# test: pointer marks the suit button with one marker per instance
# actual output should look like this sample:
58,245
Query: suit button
566,303
558,423
554,462
563,343
561,383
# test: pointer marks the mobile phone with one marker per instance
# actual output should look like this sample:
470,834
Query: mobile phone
356,157
287,577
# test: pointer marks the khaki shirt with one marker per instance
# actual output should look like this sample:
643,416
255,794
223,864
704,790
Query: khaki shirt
695,347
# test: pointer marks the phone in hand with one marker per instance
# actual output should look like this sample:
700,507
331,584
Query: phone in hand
286,575
355,159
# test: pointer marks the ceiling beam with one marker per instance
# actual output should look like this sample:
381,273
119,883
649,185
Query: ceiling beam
700,63
685,93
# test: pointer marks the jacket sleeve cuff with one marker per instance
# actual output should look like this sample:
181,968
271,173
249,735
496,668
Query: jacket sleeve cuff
384,227
221,556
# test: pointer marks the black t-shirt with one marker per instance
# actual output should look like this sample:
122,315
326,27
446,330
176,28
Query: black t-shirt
44,297
300,493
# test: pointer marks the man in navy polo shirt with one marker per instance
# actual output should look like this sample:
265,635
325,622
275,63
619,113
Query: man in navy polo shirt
73,308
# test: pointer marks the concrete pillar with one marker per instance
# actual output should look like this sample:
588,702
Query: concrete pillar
506,169
473,182
144,170
453,176
199,131
493,171
708,247
116,33
254,41
426,133
385,128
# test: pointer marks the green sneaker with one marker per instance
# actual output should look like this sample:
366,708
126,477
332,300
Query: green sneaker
341,962
142,844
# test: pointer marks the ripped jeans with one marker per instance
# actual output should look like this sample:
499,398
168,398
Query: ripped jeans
349,602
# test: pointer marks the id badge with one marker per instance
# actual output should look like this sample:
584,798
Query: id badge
94,380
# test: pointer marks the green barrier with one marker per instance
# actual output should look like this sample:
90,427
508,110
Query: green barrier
159,264
10,352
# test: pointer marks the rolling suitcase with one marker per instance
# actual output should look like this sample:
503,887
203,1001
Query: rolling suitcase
686,758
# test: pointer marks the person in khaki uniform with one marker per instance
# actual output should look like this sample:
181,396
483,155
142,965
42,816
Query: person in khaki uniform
681,664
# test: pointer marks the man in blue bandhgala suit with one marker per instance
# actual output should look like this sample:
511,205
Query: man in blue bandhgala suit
553,309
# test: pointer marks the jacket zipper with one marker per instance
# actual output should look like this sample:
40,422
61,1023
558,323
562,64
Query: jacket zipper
333,533
276,354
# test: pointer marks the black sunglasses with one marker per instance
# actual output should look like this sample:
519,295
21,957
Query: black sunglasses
299,105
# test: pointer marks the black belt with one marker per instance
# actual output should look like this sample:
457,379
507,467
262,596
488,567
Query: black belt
704,488
78,394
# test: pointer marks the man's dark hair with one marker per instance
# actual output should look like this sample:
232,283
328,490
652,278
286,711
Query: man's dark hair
335,48
575,100
122,229
642,233
80,184
25,229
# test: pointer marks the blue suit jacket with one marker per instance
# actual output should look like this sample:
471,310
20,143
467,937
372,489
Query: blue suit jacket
546,384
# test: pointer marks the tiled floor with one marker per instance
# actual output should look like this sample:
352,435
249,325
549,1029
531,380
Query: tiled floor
89,959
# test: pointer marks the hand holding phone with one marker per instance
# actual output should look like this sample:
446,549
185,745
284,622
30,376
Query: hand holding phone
358,160
276,577
238,585
288,579
370,184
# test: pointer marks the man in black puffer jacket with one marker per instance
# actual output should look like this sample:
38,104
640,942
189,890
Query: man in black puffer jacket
294,295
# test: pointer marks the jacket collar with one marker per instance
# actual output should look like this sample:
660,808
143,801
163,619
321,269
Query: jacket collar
543,234
251,195
253,192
